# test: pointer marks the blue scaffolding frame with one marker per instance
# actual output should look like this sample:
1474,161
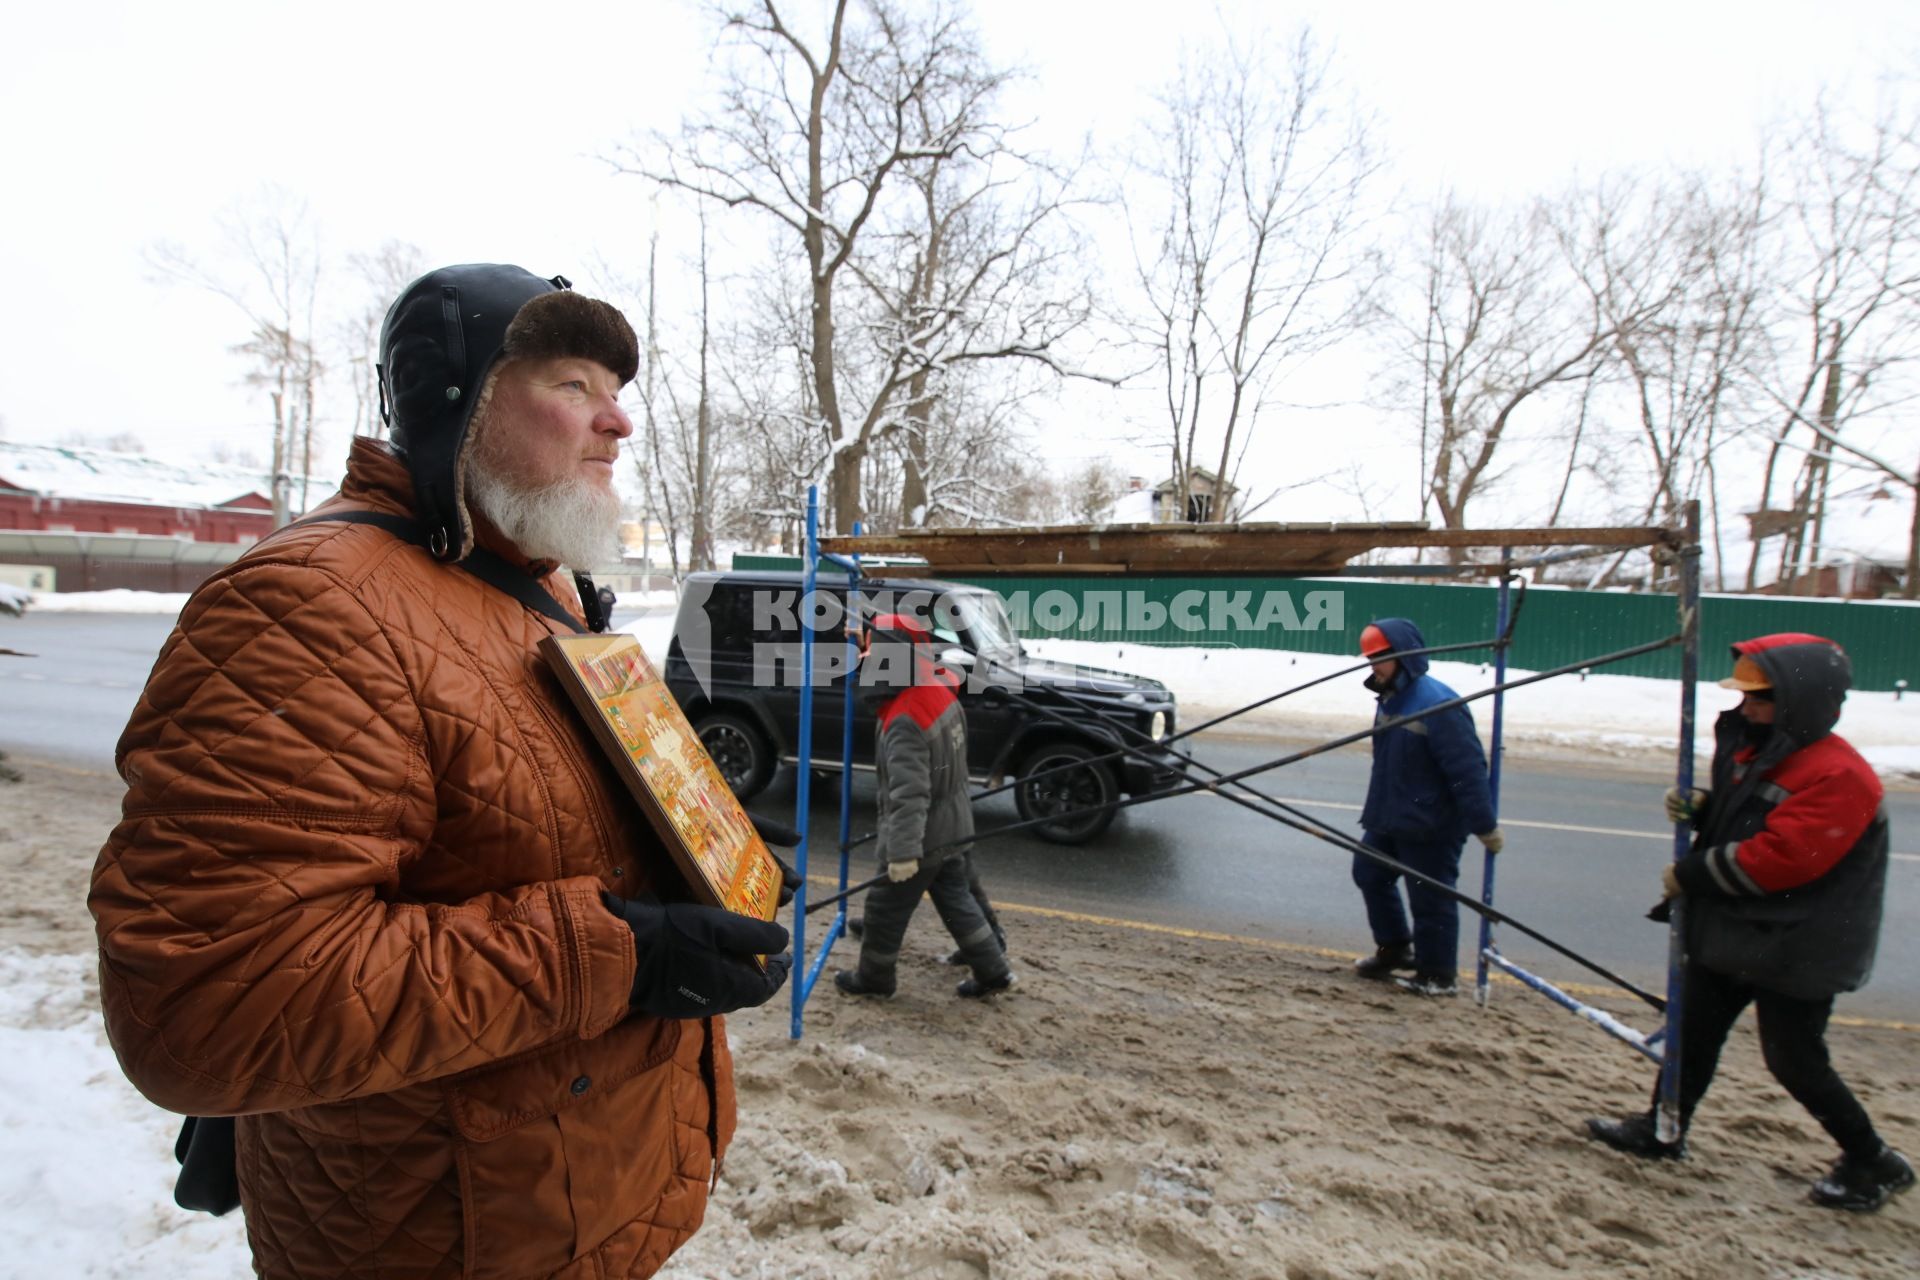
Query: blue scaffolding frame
1660,1045
807,974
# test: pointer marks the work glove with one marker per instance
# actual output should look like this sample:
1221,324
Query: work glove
1684,806
693,961
905,869
1495,840
1669,883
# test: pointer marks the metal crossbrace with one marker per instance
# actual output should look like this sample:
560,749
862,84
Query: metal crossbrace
1648,1044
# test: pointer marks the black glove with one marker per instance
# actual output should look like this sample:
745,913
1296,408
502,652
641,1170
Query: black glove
695,961
774,832
789,878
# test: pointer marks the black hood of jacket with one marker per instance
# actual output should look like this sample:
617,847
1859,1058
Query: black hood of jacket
1810,678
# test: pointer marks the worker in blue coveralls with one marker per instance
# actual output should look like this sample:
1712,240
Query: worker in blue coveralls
1427,792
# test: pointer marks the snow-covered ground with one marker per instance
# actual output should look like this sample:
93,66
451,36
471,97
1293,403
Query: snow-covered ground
1608,715
86,1188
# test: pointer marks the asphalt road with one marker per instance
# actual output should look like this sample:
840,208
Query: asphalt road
1585,845
1582,865
70,700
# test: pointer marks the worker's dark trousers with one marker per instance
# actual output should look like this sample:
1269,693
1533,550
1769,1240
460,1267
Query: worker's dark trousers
1793,1039
979,892
1435,932
890,907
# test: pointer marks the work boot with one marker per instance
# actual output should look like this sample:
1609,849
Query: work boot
1637,1136
855,983
1429,984
976,989
1863,1185
1380,965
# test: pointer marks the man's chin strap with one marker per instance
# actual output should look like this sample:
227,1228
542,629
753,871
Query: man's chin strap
486,566
598,617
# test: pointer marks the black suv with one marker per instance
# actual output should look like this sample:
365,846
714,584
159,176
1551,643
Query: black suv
733,665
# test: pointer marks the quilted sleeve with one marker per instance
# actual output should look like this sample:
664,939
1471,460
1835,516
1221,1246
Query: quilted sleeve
277,779
903,819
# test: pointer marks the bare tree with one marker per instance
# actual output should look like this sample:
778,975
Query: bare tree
1091,489
1675,274
1246,229
382,274
812,130
1851,245
681,431
976,279
1494,324
271,270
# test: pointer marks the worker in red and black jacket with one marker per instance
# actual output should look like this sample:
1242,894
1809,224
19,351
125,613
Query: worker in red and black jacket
1783,890
926,815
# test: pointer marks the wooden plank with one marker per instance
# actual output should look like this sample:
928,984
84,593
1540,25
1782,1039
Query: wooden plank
1299,548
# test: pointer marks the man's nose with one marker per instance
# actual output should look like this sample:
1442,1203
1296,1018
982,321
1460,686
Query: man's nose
613,420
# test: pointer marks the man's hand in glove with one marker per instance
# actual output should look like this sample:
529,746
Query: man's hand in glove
905,869
774,832
789,879
1684,806
1669,883
694,961
1495,840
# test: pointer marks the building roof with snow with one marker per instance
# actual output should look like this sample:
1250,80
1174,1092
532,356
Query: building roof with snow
57,471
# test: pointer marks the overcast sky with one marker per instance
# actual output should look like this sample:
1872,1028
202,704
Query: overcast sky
474,131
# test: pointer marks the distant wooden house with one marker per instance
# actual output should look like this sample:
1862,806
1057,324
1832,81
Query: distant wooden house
1207,495
1862,553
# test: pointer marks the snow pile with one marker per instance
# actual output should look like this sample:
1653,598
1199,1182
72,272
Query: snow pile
119,600
1611,715
87,1185
14,600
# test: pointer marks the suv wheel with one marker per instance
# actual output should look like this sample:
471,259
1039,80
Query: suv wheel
740,751
1066,796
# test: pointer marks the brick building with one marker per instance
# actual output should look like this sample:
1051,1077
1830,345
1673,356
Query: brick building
101,520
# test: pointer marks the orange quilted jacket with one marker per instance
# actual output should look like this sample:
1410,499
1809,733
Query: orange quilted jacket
354,900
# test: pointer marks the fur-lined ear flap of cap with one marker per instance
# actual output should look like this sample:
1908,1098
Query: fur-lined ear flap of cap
567,324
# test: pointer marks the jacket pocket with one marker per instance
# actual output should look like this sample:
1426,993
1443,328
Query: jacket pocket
559,1150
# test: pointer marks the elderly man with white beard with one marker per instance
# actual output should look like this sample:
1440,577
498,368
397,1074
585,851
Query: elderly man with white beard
377,894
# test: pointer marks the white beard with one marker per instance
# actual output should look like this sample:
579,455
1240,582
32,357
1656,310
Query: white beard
573,521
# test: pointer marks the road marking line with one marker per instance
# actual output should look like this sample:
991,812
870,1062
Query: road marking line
1586,989
1537,826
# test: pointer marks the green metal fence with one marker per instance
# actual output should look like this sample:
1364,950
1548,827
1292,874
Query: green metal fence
1557,627
1324,615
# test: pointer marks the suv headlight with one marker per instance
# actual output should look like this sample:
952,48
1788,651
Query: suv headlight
1157,727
